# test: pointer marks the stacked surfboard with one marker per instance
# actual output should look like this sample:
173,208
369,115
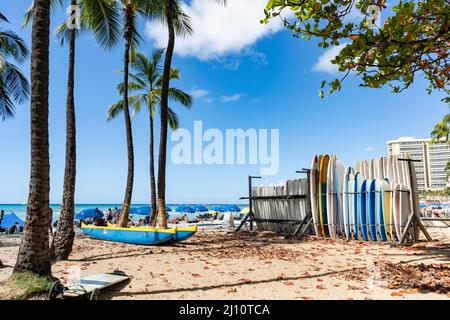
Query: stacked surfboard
370,201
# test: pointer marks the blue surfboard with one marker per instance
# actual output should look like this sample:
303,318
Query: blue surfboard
356,196
362,221
380,210
372,212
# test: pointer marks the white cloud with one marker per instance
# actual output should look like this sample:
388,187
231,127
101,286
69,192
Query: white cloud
218,30
199,93
324,64
208,100
232,98
370,149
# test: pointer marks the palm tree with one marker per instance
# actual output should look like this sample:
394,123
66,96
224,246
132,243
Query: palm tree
131,10
147,83
101,18
442,130
33,252
14,87
170,8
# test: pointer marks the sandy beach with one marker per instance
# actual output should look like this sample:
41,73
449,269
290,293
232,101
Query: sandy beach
216,264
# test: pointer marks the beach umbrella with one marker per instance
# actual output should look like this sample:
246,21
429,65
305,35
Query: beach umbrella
232,208
201,208
245,211
10,219
219,209
185,209
89,213
143,211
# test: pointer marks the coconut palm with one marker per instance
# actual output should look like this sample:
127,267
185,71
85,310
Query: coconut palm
100,17
169,8
33,252
442,131
131,10
146,82
14,87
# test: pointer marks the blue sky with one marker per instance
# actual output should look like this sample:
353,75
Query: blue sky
271,78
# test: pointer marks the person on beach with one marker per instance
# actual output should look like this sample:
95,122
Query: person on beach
130,222
109,215
116,216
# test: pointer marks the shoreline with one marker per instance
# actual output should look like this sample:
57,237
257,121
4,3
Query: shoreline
216,264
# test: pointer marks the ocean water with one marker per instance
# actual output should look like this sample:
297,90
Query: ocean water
20,209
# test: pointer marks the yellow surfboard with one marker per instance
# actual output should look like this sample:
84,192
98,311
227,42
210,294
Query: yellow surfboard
323,170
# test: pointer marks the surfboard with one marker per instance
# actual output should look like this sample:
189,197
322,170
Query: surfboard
387,208
356,201
379,211
323,170
339,172
401,209
314,179
365,169
362,218
371,209
380,168
332,214
347,206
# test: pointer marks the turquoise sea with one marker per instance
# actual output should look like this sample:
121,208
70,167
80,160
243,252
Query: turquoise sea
20,209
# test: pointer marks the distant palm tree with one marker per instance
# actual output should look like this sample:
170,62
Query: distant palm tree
146,82
33,252
170,9
14,87
100,17
442,131
131,10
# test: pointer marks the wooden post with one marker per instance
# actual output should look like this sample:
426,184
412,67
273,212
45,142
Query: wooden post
414,220
250,214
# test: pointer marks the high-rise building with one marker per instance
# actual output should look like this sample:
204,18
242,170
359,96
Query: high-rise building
433,158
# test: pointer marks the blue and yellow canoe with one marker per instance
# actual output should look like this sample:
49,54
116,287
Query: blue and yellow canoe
183,233
142,235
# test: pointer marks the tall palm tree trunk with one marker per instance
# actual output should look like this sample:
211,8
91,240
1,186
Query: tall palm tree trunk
63,241
124,215
152,174
34,249
162,215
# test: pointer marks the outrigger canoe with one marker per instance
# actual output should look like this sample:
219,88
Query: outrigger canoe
142,235
184,233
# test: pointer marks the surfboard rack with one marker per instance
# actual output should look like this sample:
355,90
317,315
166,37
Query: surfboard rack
303,225
414,225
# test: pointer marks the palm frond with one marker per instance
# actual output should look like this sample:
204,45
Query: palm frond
114,110
178,95
28,16
173,120
103,19
11,45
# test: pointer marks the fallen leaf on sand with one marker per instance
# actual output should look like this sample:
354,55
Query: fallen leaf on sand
396,294
357,250
288,283
307,298
320,287
245,280
232,290
196,275
281,276
319,280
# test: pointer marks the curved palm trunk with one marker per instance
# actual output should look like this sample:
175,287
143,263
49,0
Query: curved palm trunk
162,215
152,174
34,249
63,241
124,215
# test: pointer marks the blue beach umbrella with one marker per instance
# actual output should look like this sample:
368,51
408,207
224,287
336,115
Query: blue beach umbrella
89,213
232,208
10,219
185,209
200,208
143,211
219,209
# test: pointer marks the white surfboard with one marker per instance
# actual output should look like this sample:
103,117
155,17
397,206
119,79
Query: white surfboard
347,206
330,198
314,180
